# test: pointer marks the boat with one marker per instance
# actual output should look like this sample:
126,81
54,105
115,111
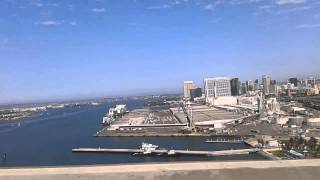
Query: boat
114,113
147,149
147,146
171,152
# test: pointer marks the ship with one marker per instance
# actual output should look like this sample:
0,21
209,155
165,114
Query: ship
114,113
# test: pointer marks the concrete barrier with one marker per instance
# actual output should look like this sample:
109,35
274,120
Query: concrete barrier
242,170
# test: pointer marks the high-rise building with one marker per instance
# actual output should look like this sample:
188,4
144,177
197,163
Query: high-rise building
249,85
273,87
311,82
304,83
195,92
216,87
294,81
266,85
256,85
235,87
187,85
244,88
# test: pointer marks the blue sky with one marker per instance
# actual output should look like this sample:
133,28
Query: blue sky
90,48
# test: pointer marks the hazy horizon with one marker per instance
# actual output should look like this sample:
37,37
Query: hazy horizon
57,49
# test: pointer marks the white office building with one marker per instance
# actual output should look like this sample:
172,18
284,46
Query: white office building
217,87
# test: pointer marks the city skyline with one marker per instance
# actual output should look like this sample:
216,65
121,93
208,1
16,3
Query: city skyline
59,50
179,90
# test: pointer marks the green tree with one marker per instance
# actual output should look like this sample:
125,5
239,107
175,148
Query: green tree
291,143
300,143
312,143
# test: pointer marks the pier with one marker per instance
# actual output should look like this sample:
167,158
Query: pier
225,141
151,125
240,141
168,152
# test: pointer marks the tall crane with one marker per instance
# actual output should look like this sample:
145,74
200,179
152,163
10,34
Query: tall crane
187,114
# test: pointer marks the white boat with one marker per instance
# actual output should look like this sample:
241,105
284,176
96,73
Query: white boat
148,148
145,146
171,152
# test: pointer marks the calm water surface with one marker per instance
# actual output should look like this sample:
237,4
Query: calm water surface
46,139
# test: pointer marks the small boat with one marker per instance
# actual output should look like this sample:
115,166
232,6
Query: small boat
171,152
147,146
147,149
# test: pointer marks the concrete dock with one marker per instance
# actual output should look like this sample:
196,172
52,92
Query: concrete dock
226,141
165,151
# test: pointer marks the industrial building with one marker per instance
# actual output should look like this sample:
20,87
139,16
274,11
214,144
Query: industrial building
296,121
223,100
313,122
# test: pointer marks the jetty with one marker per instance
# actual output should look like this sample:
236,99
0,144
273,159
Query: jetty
168,152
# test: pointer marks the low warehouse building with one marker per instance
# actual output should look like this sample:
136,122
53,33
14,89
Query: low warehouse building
314,122
298,121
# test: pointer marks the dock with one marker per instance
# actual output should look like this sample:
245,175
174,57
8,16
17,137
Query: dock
240,141
168,152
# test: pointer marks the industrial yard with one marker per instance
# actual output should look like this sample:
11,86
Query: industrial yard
266,117
202,115
146,116
174,121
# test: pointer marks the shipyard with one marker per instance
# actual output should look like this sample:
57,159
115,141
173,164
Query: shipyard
162,89
170,122
266,116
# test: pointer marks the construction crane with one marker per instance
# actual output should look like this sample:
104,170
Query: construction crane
187,114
